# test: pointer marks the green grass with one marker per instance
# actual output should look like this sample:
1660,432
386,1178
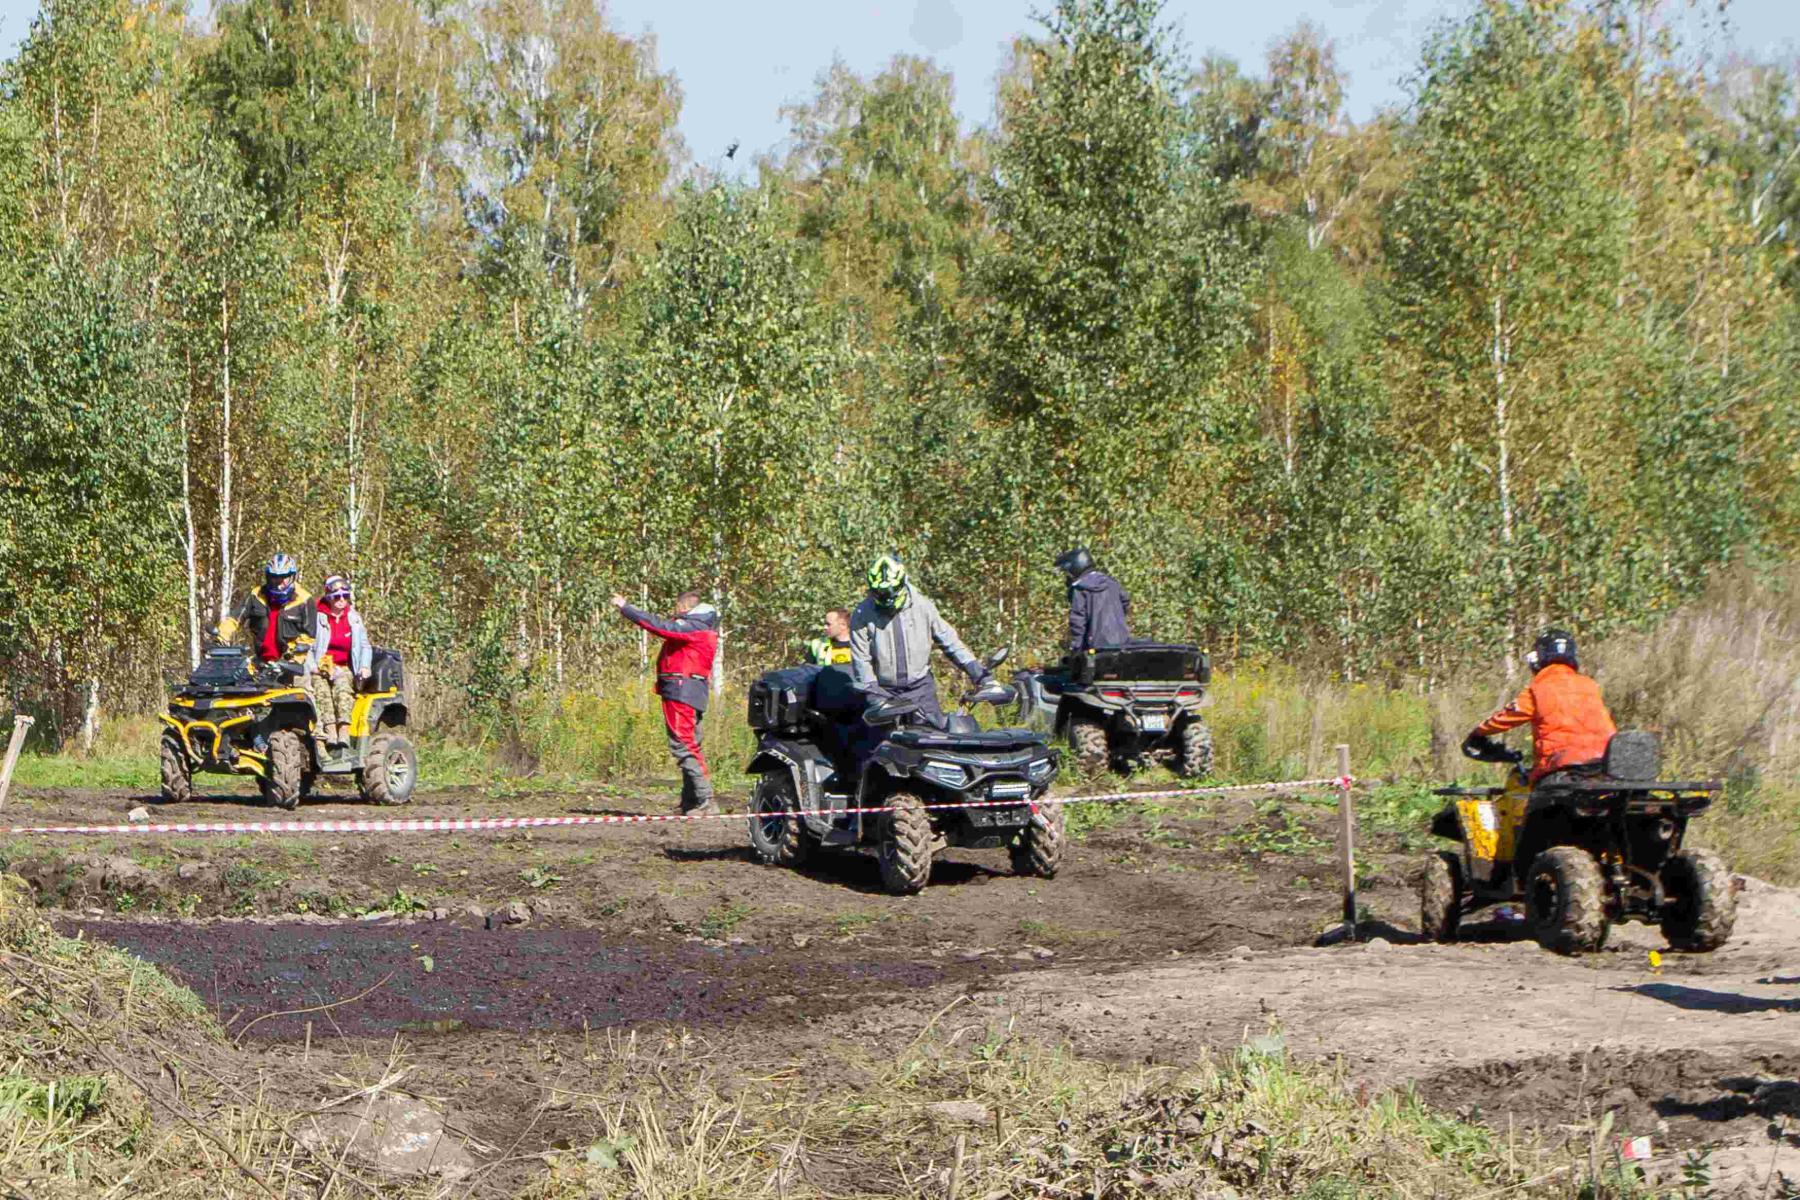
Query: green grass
1274,829
1268,723
719,922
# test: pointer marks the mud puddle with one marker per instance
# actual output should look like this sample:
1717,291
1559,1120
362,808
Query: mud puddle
359,980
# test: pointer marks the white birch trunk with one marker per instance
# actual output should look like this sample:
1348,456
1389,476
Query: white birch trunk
90,716
1501,353
353,499
190,544
226,582
725,406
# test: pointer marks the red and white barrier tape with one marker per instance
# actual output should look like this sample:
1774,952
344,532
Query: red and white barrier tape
471,824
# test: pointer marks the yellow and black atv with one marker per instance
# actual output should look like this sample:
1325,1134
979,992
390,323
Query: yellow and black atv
1584,849
232,718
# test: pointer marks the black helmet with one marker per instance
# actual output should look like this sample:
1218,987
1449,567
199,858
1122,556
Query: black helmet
1555,646
1075,563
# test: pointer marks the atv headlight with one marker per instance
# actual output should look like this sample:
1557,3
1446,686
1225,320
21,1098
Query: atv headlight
948,774
1042,771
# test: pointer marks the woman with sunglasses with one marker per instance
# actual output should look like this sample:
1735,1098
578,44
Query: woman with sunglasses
342,655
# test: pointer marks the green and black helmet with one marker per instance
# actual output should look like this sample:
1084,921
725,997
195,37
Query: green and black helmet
887,582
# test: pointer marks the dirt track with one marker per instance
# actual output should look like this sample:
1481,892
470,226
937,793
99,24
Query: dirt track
1167,935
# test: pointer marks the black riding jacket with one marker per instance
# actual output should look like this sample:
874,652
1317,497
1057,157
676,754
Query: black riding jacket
1099,609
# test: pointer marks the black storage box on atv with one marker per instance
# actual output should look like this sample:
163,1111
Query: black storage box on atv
224,669
1141,660
781,700
387,671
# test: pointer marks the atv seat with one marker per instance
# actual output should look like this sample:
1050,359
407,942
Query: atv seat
834,698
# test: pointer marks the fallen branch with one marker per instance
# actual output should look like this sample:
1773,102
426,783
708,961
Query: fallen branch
238,1041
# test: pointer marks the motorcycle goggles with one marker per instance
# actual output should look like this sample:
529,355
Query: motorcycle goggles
889,599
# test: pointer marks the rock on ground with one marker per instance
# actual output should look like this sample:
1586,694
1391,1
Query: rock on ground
398,1134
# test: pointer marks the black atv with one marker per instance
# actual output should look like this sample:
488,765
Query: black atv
232,717
808,720
1584,848
1121,707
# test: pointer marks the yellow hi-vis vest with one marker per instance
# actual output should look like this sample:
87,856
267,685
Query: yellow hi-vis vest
826,653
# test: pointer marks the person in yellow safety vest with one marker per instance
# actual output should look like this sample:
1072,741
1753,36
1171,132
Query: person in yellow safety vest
832,650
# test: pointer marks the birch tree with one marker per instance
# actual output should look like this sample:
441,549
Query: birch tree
1504,241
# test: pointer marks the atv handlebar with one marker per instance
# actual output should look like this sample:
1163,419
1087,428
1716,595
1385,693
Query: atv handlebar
889,712
992,692
1484,748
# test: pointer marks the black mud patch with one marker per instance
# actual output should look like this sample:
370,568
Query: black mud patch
441,977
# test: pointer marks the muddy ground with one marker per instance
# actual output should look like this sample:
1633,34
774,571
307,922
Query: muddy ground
1172,931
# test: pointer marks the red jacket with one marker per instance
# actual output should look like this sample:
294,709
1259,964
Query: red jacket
690,642
1569,721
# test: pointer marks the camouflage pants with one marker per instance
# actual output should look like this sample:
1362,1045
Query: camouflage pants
333,696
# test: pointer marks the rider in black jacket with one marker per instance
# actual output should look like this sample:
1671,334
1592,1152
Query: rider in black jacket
1099,608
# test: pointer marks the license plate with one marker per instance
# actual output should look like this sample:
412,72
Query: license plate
1155,723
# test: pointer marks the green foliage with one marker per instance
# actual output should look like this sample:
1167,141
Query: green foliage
281,83
86,543
426,295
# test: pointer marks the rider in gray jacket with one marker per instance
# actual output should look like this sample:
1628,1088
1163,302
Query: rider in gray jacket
891,635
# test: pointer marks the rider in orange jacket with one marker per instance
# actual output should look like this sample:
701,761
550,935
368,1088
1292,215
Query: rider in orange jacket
1569,722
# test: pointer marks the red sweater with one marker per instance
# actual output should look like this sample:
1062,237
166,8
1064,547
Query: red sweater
338,648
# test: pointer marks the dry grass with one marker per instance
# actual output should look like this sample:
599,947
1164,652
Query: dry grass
114,1081
1026,1119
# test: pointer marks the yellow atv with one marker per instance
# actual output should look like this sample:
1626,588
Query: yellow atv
1584,849
232,718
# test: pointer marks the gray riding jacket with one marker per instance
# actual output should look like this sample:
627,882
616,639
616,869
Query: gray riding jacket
893,649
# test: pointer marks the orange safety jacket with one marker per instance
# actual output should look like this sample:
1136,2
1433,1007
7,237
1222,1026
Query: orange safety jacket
1569,722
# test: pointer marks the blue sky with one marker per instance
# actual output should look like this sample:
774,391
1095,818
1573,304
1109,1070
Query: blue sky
739,61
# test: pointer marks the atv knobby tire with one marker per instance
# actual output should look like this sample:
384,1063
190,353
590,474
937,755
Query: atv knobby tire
390,769
177,776
1440,897
287,763
1194,758
905,853
1087,736
1702,904
1565,901
1038,849
778,841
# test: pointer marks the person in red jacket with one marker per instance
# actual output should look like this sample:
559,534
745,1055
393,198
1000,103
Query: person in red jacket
684,665
1569,722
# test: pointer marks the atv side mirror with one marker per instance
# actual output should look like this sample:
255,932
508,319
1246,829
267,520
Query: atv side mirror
996,658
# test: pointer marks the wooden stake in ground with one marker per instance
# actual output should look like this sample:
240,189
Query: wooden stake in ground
1347,840
21,726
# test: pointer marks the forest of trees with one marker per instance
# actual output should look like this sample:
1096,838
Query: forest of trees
433,296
